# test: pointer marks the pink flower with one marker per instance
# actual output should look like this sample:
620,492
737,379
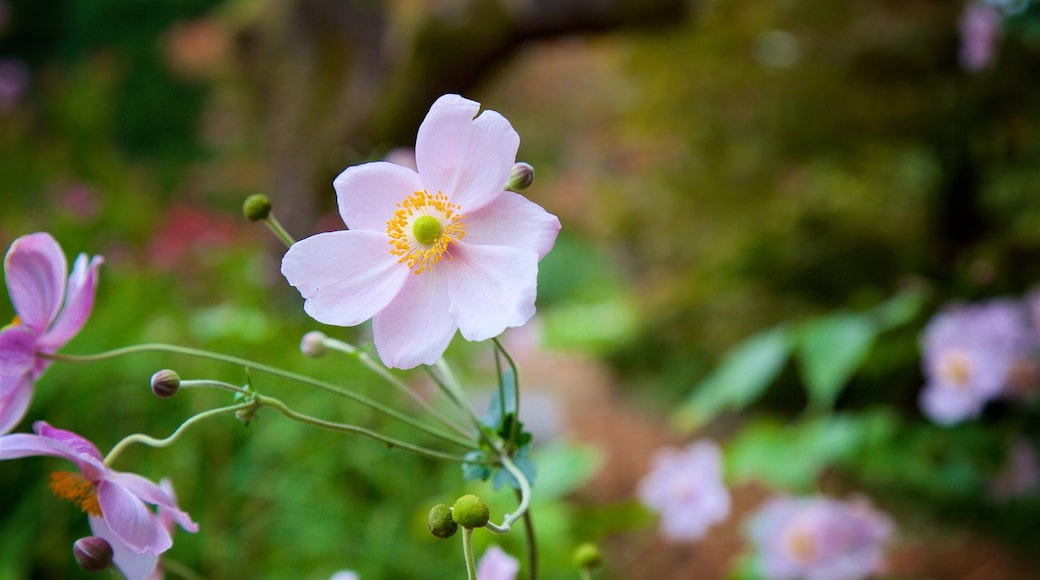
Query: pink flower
970,353
50,311
432,251
115,502
685,486
980,30
818,538
495,564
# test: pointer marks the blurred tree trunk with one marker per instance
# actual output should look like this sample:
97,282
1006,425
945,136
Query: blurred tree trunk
334,81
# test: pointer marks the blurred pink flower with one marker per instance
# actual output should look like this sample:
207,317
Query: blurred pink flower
116,503
969,355
345,575
389,264
1020,474
495,564
189,234
49,309
14,82
685,486
980,29
818,538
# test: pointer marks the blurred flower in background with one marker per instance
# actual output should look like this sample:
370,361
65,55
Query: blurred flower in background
497,565
818,538
14,82
1020,474
973,354
980,30
685,487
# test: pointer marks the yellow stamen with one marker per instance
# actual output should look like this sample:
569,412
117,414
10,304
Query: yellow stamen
75,488
413,236
801,545
955,367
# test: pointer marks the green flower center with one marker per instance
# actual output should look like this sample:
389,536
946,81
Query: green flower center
426,229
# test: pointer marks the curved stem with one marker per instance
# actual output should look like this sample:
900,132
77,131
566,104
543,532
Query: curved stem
345,428
531,543
514,432
525,496
467,552
389,377
274,371
160,443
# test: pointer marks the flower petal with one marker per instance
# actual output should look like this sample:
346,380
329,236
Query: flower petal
513,220
946,405
345,277
133,565
79,301
69,444
137,526
491,288
153,493
368,194
16,381
416,327
467,159
35,269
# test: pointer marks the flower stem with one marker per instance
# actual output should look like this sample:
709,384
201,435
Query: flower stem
525,496
467,552
161,443
274,371
531,542
276,228
345,428
389,377
514,432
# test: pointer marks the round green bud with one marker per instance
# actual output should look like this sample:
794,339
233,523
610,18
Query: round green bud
93,554
440,523
426,229
165,383
256,207
470,511
587,556
521,177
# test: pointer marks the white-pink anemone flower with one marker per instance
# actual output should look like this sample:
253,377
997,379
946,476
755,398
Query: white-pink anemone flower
117,503
431,251
49,310
496,564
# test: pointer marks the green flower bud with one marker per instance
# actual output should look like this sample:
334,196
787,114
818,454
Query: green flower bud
165,383
440,523
521,177
587,556
256,207
470,511
93,554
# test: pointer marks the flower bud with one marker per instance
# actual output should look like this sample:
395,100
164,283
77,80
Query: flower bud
470,511
521,177
440,522
256,207
93,554
313,344
587,556
165,383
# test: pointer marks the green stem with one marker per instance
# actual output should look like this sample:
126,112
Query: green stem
161,443
525,496
276,228
274,371
389,377
344,428
467,552
515,430
531,543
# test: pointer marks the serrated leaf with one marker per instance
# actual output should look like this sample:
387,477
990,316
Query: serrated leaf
830,350
739,380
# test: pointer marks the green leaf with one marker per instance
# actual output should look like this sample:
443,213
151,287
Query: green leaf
830,350
743,375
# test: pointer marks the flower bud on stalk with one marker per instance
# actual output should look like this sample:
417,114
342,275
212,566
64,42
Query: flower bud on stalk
256,207
165,383
440,521
587,556
93,554
521,177
470,511
313,344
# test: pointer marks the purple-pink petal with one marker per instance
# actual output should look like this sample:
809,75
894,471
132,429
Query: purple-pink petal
35,269
135,524
492,288
16,381
417,326
133,565
467,159
79,301
495,564
513,220
153,493
368,194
